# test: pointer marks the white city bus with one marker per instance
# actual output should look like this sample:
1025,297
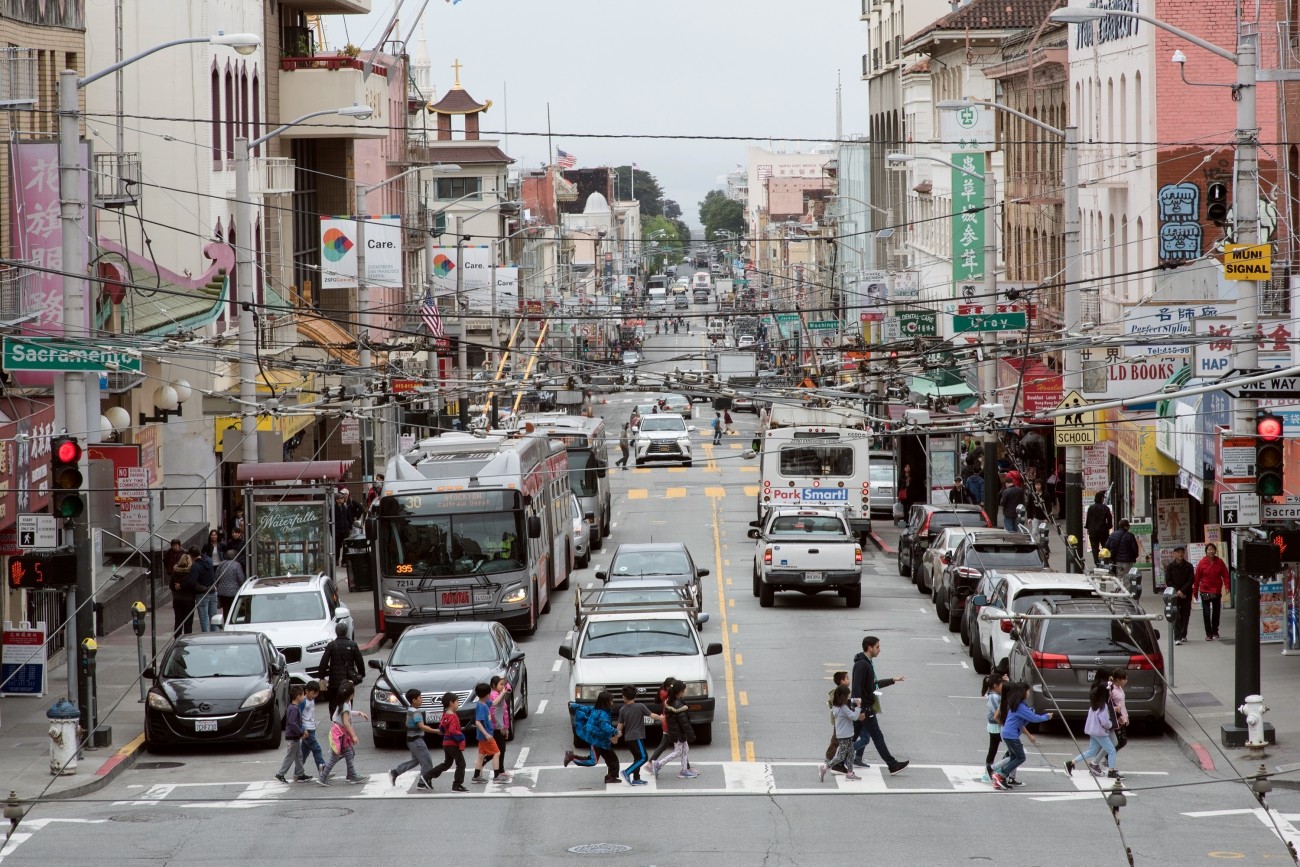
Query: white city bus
584,438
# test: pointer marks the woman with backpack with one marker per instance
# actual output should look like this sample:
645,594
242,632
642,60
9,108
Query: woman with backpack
179,564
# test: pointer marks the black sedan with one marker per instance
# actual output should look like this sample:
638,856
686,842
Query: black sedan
440,658
666,560
229,687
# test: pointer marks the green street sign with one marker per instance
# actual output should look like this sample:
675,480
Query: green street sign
788,318
918,323
991,322
824,325
57,354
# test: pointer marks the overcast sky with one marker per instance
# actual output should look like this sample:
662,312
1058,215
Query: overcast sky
673,67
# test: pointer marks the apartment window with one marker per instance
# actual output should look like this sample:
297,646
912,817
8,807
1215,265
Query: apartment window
244,112
875,58
256,131
898,47
454,188
216,114
232,118
889,52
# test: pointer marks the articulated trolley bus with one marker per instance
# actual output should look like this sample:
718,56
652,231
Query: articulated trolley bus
584,438
473,528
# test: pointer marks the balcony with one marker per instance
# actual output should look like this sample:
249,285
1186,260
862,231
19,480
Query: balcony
277,332
325,82
116,181
15,281
267,176
330,7
18,78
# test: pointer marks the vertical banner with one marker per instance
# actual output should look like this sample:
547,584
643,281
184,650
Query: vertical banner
338,245
23,663
1272,607
475,280
967,217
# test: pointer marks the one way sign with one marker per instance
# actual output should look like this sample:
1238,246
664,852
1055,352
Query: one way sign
38,531
1276,387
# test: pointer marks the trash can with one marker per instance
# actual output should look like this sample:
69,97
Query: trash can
361,569
65,720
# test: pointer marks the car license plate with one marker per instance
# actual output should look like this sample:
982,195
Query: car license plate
813,577
1092,675
455,597
205,725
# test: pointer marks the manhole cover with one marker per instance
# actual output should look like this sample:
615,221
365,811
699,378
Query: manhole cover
317,813
143,817
158,766
600,849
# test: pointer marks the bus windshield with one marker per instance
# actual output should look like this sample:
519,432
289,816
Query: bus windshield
428,546
582,472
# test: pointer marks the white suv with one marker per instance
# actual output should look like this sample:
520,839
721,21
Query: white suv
298,613
663,437
1016,593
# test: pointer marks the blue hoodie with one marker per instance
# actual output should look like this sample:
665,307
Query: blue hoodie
1017,720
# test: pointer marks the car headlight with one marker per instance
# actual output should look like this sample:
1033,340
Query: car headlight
396,603
683,441
584,692
158,701
385,696
317,646
697,688
257,699
515,594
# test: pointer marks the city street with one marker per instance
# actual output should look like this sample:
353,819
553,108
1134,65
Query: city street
757,799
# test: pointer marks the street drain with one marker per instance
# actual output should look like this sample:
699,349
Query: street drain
157,766
317,813
142,818
600,849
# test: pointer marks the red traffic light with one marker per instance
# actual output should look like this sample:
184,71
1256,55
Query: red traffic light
66,451
1268,427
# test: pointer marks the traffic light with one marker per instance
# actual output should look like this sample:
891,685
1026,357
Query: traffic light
1216,203
1269,452
65,477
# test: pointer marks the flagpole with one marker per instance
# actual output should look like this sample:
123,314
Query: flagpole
550,145
633,171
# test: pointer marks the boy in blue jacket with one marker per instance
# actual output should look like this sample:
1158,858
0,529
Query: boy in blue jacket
1015,715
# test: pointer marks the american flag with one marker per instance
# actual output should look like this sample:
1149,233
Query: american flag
429,313
564,159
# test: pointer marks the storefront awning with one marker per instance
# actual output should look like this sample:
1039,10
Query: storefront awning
330,337
941,386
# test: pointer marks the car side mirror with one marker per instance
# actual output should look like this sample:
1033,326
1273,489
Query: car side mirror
601,471
979,600
945,559
713,649
900,524
753,533
376,664
602,576
342,613
218,620
150,672
755,523
517,656
566,652
534,527
702,572
1014,633
690,428
701,619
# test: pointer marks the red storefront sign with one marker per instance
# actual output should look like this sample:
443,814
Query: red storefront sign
25,459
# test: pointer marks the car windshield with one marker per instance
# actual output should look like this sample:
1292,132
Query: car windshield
661,422
1096,638
434,546
451,649
278,607
1025,601
641,563
940,520
813,525
950,539
660,595
816,460
1003,556
639,638
583,480
242,659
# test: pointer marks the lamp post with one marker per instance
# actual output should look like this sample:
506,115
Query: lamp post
71,393
987,371
245,285
1072,367
1245,352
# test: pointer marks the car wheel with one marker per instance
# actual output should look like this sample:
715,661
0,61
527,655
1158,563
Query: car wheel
942,607
635,463
272,742
686,463
922,580
382,743
757,582
704,734
853,596
582,563
532,612
979,661
521,712
902,570
965,630
934,592
155,748
954,619
766,595
598,539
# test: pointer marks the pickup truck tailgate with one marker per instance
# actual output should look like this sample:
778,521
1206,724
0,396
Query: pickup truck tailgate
831,555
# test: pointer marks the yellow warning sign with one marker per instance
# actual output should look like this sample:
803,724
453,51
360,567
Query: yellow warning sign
1078,427
1248,261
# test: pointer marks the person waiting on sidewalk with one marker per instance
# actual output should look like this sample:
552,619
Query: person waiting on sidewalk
1124,550
1098,523
1179,577
204,576
178,565
230,577
1011,498
1211,582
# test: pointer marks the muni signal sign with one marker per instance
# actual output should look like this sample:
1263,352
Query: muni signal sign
1248,261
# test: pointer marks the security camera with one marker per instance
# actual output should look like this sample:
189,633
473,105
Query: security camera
993,411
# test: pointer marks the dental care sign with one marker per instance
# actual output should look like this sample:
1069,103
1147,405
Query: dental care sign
809,495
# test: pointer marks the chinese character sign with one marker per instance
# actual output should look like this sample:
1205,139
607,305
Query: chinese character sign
967,217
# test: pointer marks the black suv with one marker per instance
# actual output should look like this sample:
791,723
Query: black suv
923,525
976,554
1086,639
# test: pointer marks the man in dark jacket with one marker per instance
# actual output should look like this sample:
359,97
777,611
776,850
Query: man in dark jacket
1011,498
341,661
1124,549
1179,577
864,685
1098,523
342,522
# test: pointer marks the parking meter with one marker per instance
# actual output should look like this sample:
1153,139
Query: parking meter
137,625
1171,620
89,647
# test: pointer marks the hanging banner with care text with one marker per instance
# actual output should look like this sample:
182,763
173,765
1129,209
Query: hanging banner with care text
338,242
967,217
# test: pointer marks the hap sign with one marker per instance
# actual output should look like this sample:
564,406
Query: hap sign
810,495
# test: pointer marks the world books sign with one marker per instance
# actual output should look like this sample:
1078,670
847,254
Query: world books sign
290,537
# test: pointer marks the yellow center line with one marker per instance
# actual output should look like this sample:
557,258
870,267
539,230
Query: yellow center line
729,677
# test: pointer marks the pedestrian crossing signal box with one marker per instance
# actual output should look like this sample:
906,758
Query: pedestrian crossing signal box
42,571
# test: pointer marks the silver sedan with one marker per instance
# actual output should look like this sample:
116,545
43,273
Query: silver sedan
932,562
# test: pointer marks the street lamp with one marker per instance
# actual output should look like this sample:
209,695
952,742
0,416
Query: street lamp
244,282
1072,373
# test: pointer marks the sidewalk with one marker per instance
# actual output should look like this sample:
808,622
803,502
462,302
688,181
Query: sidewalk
24,739
1201,698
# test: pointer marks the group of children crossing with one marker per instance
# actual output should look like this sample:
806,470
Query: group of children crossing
602,727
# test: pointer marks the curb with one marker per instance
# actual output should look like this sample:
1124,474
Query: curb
882,544
1203,759
123,759
373,644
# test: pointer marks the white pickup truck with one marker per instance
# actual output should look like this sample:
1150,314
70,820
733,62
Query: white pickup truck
806,550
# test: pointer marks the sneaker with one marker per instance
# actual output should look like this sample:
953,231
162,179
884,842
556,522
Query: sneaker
1209,638
355,780
686,775
422,783
858,763
1114,774
655,767
640,783
627,776
613,778
998,782
895,768
1069,767
302,778
392,778
321,780
821,773
988,773
1094,769
503,777
479,781
1012,781
459,788
1178,641
851,776
568,757
281,778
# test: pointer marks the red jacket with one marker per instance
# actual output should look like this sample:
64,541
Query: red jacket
1211,576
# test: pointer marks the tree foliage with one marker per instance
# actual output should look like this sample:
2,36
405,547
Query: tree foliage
672,210
666,234
647,189
717,212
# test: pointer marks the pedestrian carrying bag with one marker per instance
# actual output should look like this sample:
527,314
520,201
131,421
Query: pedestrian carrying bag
1120,732
340,740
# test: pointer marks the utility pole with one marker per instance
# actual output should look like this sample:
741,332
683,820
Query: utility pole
1072,373
988,373
244,290
363,343
462,349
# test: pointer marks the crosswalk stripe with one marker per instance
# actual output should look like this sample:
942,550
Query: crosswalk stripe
637,493
751,490
715,492
674,493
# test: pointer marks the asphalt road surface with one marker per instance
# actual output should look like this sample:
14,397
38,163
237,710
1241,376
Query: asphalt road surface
757,799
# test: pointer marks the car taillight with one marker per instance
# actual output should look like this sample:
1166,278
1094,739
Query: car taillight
1005,624
767,556
987,522
925,527
1155,662
1049,660
857,556
966,572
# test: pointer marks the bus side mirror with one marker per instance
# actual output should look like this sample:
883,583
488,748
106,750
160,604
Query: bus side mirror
534,527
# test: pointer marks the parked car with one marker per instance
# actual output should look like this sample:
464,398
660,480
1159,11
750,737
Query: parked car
581,533
978,552
746,341
924,523
217,687
1062,657
883,495
670,561
631,357
1016,593
678,403
299,613
988,584
935,557
437,658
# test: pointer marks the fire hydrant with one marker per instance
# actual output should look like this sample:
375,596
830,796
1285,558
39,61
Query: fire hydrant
65,726
1254,710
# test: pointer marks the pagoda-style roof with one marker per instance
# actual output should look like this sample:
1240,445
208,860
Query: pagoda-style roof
458,101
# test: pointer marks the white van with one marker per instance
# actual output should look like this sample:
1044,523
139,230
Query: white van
717,329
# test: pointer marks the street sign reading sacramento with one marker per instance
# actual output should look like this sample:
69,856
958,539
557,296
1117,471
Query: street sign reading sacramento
51,353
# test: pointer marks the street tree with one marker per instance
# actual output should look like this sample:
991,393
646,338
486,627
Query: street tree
717,212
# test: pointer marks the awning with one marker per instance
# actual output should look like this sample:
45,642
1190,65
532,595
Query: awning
331,337
281,380
301,471
287,425
941,385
